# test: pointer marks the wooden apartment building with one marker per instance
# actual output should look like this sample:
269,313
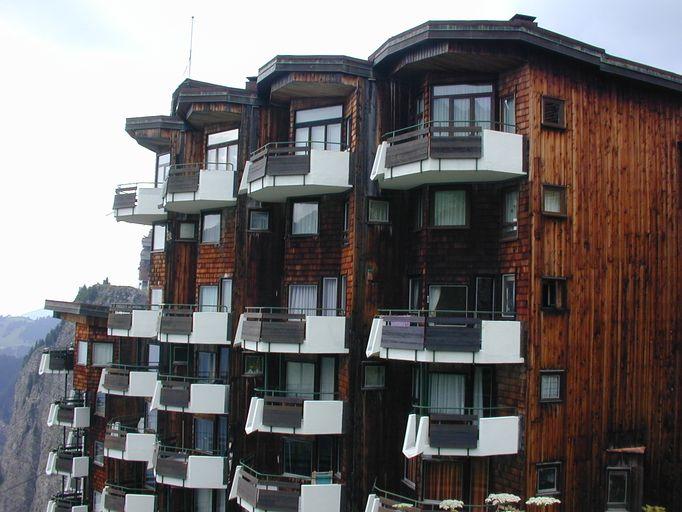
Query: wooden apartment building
447,270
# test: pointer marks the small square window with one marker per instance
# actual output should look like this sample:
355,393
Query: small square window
102,354
304,219
554,294
618,488
374,376
377,211
159,237
210,228
100,404
554,200
259,220
187,231
553,112
83,353
551,385
548,478
253,365
450,208
510,214
99,453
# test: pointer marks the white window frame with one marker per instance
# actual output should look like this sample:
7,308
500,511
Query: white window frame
317,219
203,227
159,238
98,455
617,505
555,466
504,311
82,353
384,219
95,356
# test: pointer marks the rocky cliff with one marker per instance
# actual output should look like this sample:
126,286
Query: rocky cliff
24,486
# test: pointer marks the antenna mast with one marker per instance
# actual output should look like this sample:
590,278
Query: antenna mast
191,40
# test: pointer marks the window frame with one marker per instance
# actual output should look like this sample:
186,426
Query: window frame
92,354
100,398
504,126
554,373
560,293
467,209
220,226
503,312
563,190
166,168
261,366
154,238
561,123
472,121
543,466
317,231
618,505
510,230
371,200
380,387
86,359
322,123
194,231
262,211
98,454
227,144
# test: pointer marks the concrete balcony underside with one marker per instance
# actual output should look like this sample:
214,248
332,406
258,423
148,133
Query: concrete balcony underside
460,435
285,415
445,340
485,156
280,333
258,495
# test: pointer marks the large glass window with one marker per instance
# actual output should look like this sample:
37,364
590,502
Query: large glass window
221,151
162,166
203,434
448,298
210,228
508,114
226,294
102,354
156,298
462,105
298,457
329,296
320,127
450,208
510,213
205,364
446,393
302,298
300,379
304,219
159,237
203,500
208,298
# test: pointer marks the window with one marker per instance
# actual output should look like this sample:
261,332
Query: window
548,478
259,220
345,216
554,294
554,200
153,355
159,237
485,297
210,228
98,502
330,295
102,354
508,295
462,105
415,292
187,231
221,151
508,114
348,127
374,376
100,404
418,212
226,294
208,298
162,167
377,211
450,208
223,363
203,500
300,379
618,490
553,112
152,420
320,127
302,298
156,298
304,219
203,434
99,453
83,352
510,214
253,365
448,298
446,393
343,287
550,385
419,112
298,457
410,472
205,362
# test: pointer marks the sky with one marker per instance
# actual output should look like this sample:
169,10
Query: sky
73,70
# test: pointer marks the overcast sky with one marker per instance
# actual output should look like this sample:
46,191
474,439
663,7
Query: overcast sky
73,70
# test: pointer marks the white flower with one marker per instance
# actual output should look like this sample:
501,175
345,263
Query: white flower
402,505
542,501
502,498
451,505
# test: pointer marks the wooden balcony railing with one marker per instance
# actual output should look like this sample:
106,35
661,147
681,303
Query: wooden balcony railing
65,501
66,410
60,359
280,159
178,318
126,195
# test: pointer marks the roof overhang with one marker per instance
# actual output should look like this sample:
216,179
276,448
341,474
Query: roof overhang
203,103
77,312
153,132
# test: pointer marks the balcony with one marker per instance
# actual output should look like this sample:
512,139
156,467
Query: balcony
281,413
210,325
465,432
191,395
444,153
190,189
68,461
256,492
420,336
123,499
384,501
135,381
138,203
127,442
281,170
277,331
67,502
133,320
56,361
70,413
191,469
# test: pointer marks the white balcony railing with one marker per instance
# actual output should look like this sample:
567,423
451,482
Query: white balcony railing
291,415
135,321
67,502
195,396
56,361
67,462
277,330
195,325
191,469
128,443
128,381
191,188
121,499
69,413
138,203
